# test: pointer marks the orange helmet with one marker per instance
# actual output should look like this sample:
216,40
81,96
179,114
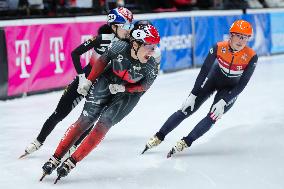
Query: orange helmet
241,27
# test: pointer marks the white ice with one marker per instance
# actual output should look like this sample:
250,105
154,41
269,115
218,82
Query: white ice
244,150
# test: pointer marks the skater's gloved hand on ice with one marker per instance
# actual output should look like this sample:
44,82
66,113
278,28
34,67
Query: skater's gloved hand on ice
189,102
115,88
84,85
218,109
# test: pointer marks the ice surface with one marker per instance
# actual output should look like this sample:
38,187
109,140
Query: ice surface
244,150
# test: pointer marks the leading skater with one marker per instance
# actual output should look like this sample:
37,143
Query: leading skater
227,69
118,27
123,74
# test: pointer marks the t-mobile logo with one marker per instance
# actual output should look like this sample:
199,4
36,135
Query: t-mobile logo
86,56
55,46
23,49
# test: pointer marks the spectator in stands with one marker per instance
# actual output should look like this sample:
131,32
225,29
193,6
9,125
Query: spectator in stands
161,5
120,3
236,4
204,4
264,4
274,3
185,4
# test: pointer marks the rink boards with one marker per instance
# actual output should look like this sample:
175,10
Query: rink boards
36,52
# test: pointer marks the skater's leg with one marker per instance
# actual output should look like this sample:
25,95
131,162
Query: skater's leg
206,123
176,118
96,100
68,101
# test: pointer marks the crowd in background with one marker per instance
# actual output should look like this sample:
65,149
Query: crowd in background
12,9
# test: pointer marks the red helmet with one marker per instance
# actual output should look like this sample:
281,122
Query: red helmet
145,34
241,27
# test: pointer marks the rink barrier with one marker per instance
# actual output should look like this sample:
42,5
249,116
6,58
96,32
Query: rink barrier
39,56
39,49
277,33
3,66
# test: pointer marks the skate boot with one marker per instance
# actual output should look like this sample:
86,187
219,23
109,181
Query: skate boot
154,141
65,168
180,146
32,147
49,166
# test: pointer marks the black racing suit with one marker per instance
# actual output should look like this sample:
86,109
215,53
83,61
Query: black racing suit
110,108
71,97
223,71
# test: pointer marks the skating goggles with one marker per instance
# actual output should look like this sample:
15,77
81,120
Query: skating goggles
125,26
241,37
150,47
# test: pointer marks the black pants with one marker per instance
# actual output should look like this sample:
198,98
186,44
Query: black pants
206,123
68,101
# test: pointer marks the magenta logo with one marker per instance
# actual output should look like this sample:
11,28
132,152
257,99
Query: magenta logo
38,55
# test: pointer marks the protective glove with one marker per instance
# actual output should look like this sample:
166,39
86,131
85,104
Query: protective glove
189,102
218,109
115,88
84,85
